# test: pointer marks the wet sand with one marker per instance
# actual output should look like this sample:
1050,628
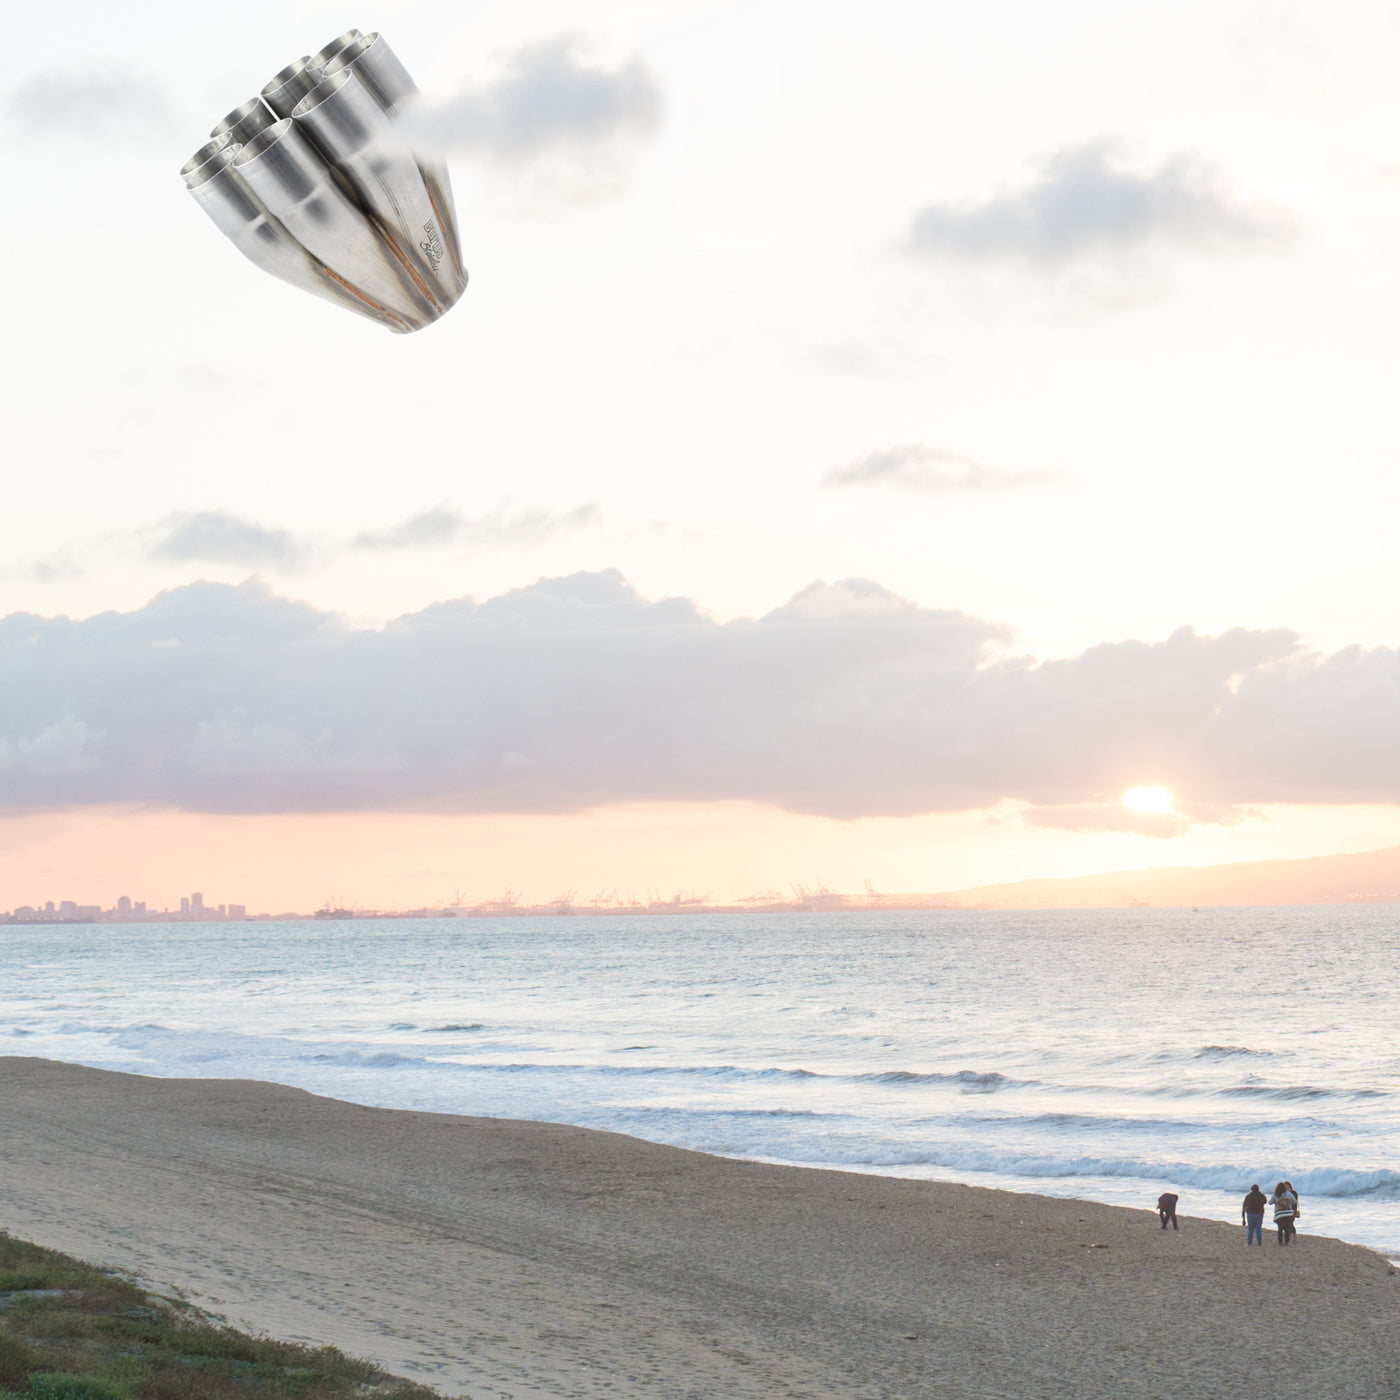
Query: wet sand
495,1258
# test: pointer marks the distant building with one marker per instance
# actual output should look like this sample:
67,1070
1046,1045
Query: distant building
139,907
238,911
197,903
87,911
124,904
66,909
184,904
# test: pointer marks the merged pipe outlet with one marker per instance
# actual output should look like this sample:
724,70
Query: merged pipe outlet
314,181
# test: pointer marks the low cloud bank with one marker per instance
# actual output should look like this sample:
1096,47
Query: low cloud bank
847,701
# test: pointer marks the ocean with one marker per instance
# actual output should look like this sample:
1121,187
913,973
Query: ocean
1103,1054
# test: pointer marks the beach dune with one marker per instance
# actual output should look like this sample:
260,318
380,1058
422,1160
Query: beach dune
495,1258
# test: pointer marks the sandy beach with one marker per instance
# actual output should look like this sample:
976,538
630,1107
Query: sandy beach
495,1258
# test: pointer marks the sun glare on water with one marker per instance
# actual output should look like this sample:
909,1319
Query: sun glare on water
1150,801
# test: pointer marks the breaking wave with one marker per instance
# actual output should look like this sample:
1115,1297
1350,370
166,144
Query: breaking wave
967,1079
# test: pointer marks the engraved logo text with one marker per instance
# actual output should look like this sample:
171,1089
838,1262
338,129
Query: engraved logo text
433,245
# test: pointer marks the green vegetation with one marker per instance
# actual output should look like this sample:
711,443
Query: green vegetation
71,1332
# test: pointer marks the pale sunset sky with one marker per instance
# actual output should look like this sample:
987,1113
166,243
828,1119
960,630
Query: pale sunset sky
874,440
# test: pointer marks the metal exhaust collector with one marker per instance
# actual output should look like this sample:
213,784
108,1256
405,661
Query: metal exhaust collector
314,183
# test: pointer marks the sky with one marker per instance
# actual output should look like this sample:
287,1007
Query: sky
872,443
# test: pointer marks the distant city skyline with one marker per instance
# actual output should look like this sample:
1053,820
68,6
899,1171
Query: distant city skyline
123,910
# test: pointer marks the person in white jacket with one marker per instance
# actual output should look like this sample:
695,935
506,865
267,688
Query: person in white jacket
1285,1205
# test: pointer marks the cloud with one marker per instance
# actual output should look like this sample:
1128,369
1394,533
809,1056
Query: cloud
1083,202
930,471
1114,816
110,105
554,98
55,568
438,525
1108,816
443,525
220,537
575,692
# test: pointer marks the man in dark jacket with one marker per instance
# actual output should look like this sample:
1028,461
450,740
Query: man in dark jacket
1166,1208
1252,1213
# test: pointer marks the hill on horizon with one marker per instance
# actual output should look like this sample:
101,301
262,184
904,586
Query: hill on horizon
1365,877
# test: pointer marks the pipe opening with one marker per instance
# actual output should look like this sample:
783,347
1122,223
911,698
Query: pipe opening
245,120
349,54
283,92
206,153
262,141
280,80
378,67
323,56
219,162
344,58
320,93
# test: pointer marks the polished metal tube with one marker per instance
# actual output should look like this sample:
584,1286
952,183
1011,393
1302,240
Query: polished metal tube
356,137
321,57
289,177
245,121
262,238
378,67
206,153
283,92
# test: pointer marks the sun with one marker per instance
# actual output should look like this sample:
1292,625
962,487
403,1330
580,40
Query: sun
1149,801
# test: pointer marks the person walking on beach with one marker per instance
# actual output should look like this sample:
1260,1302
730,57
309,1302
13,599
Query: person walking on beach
1166,1208
1252,1213
1297,1211
1284,1203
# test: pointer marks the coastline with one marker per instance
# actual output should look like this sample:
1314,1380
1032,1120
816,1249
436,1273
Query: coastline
495,1257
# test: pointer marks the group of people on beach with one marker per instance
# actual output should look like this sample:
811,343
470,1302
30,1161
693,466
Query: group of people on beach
1284,1201
1286,1213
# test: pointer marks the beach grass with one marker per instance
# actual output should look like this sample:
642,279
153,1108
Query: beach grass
69,1331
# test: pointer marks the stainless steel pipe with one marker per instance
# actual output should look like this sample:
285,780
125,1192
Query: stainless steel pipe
316,184
377,66
355,136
